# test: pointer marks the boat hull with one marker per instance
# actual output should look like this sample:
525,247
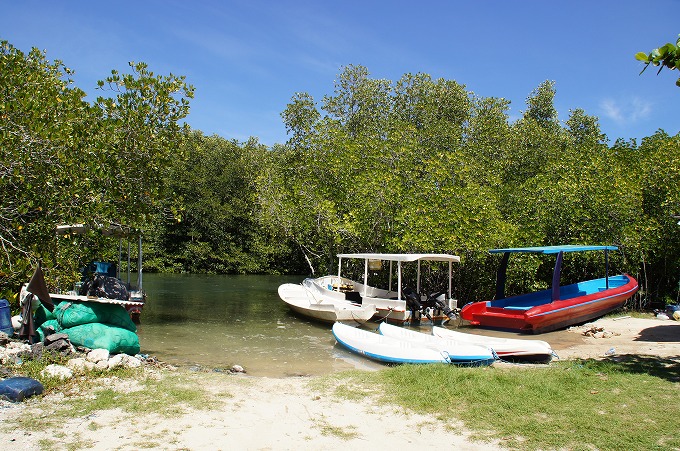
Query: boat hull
505,348
385,349
459,352
303,302
388,308
535,313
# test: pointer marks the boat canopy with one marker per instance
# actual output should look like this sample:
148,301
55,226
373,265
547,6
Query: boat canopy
404,257
501,276
115,230
399,258
553,249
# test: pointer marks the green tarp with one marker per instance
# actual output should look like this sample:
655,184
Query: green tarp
92,325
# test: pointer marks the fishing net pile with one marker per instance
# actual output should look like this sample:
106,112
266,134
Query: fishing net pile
90,324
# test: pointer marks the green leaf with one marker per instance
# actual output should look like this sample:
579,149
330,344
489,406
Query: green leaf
642,56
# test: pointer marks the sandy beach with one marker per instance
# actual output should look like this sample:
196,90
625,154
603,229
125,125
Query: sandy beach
256,413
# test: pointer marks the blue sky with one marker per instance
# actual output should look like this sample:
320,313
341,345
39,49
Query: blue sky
247,58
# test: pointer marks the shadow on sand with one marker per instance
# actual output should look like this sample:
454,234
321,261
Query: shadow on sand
666,333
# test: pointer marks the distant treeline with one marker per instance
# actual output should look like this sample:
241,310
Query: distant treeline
414,165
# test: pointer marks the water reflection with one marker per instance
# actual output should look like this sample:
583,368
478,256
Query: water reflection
219,321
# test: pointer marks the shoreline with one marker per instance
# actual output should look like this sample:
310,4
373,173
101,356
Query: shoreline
298,412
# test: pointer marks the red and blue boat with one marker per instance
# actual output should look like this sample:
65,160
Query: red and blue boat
557,307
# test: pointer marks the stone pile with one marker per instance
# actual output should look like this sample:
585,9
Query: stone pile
598,332
82,359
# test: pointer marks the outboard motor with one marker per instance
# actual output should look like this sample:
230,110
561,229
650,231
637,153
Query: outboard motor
436,301
412,299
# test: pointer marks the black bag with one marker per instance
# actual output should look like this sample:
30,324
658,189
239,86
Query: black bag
105,287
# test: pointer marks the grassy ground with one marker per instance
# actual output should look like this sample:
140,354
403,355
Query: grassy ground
626,403
617,405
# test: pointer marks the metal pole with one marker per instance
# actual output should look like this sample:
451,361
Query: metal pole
128,268
365,276
606,268
450,276
389,287
557,274
418,281
398,280
139,264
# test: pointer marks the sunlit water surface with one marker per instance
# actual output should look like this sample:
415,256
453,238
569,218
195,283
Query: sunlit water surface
219,321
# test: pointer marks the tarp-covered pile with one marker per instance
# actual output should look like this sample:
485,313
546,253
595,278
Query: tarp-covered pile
90,324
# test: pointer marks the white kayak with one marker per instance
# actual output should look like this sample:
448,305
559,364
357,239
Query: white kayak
385,349
459,352
505,348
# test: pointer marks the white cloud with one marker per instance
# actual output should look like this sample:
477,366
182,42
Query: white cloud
626,111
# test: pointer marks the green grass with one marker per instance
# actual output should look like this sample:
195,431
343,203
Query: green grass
169,396
627,404
326,429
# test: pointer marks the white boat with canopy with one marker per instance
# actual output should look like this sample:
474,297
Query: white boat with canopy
400,303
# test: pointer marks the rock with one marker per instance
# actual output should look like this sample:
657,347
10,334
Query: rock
49,330
116,361
19,346
102,365
4,339
63,346
15,352
594,331
37,350
124,360
80,364
97,355
58,371
52,338
131,362
59,343
237,369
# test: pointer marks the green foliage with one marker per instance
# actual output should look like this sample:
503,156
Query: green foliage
44,123
411,165
655,226
63,160
424,165
143,137
667,56
380,165
211,221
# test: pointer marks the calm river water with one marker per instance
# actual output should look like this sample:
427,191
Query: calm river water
219,321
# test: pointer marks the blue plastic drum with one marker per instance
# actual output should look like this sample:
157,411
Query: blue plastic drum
5,318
